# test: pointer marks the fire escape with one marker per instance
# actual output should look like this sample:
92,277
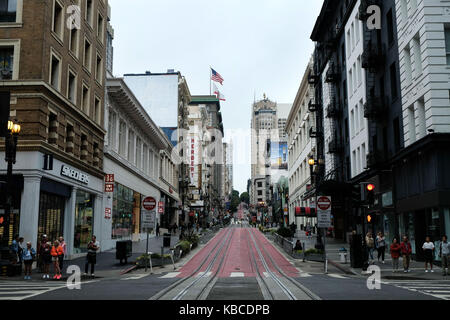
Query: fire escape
372,60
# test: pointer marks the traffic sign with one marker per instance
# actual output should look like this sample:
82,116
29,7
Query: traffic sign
148,219
149,203
324,212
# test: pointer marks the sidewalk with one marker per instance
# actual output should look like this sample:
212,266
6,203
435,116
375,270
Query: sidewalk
107,265
417,268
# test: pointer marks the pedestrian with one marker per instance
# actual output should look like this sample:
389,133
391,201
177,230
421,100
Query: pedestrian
28,256
56,251
370,242
157,229
46,256
444,254
14,249
428,251
62,256
91,258
381,246
406,251
298,246
395,254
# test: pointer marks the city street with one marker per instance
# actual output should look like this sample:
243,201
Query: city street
239,263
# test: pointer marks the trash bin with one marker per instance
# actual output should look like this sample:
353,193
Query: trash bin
166,240
124,250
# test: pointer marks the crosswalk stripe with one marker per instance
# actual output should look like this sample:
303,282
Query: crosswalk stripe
170,275
237,275
434,288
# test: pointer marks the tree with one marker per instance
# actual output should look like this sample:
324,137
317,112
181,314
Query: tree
245,197
235,201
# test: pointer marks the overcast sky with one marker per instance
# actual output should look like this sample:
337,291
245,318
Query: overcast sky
258,46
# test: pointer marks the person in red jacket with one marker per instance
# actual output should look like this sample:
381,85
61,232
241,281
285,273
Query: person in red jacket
406,251
56,252
395,254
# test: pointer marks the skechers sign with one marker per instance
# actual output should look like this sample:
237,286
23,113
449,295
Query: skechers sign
74,174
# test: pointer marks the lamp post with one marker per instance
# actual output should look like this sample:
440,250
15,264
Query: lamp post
10,157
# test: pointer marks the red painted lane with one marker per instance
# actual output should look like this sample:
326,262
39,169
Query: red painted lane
261,267
276,256
199,258
238,259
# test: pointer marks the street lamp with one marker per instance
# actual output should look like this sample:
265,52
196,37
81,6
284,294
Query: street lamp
10,157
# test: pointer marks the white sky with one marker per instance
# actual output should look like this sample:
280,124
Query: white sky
258,46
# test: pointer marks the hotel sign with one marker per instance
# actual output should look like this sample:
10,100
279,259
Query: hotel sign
74,174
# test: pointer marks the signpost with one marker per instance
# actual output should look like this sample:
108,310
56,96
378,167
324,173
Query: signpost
324,221
148,220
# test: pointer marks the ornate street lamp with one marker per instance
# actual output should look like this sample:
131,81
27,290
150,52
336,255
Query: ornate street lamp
10,157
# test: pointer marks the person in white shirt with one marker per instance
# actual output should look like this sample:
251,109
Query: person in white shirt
428,250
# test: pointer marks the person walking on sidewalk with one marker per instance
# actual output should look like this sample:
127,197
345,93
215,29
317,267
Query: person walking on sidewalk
406,251
61,257
91,258
157,230
381,246
28,256
428,251
444,254
395,254
56,251
370,245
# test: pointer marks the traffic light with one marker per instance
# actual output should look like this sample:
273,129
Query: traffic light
2,220
369,218
370,194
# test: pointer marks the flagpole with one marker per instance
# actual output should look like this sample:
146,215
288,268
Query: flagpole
210,76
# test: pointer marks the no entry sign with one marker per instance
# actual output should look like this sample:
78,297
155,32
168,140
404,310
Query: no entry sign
149,203
324,212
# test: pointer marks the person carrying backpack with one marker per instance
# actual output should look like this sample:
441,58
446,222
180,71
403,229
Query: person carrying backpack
56,252
28,256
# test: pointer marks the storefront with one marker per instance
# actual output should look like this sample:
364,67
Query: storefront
14,218
126,212
63,201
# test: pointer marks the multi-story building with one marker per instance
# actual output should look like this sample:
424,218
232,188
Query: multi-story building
301,148
264,125
56,76
421,189
132,155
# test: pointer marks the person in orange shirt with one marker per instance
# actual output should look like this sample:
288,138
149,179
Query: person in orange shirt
56,252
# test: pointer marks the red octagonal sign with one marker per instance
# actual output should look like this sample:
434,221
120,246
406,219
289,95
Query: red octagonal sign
324,203
149,203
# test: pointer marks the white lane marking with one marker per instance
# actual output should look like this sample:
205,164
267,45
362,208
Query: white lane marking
304,275
337,276
266,274
438,290
137,277
170,275
237,275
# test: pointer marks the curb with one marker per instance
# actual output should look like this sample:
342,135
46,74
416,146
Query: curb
348,271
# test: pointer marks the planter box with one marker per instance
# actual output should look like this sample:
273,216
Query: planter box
315,257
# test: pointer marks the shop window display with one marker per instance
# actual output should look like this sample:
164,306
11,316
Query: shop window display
84,221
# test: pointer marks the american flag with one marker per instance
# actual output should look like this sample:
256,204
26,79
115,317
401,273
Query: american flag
216,77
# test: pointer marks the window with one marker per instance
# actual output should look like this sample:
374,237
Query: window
396,125
361,115
357,121
87,54
145,161
72,87
352,122
359,71
447,45
100,28
97,110
131,148
99,69
407,63
55,72
85,99
122,137
58,19
394,89
390,25
417,56
112,123
73,41
138,153
8,10
6,63
421,119
412,125
89,11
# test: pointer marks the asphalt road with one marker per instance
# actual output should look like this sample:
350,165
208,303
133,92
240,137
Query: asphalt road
239,263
